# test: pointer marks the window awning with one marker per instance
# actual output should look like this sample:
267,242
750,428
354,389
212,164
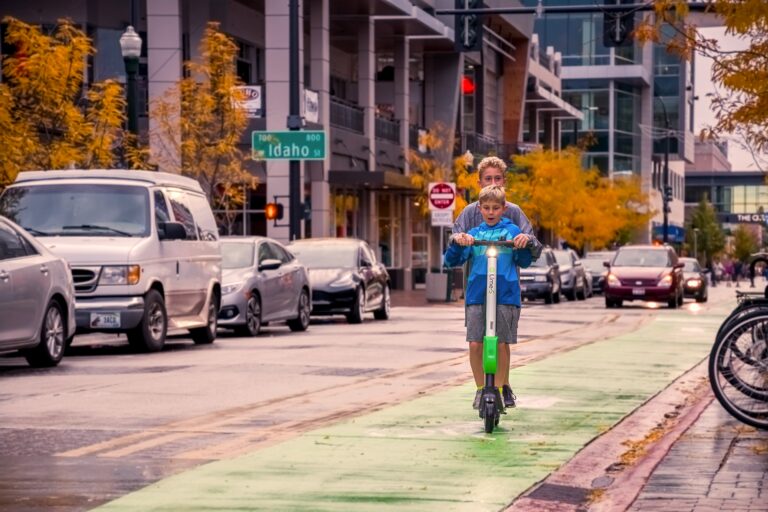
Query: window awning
375,180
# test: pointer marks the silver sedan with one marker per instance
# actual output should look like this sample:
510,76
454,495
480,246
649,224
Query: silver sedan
37,298
262,282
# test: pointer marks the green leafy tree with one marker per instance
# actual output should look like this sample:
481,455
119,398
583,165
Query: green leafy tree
744,243
48,120
710,239
201,140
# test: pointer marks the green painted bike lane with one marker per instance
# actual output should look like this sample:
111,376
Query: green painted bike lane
431,453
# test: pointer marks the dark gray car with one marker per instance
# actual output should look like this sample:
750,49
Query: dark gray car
262,282
37,298
572,275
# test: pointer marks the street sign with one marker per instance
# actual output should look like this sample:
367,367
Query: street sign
295,145
442,218
442,196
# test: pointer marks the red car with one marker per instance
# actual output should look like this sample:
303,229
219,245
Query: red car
644,272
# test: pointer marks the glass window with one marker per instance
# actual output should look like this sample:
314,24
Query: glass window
279,253
236,254
316,255
78,209
201,212
161,208
642,258
182,213
11,245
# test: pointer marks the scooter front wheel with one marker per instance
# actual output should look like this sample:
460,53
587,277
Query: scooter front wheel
490,417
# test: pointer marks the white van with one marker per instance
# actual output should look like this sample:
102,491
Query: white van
143,247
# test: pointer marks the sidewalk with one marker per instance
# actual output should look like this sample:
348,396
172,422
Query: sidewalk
431,454
417,299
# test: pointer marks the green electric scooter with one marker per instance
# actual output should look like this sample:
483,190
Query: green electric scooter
491,404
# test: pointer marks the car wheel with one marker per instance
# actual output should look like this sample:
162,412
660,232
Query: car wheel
556,297
672,302
301,322
386,304
50,350
358,308
703,297
549,297
570,295
680,299
207,334
608,303
252,317
582,295
149,335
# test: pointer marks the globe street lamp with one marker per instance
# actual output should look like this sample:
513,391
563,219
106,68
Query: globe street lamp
130,47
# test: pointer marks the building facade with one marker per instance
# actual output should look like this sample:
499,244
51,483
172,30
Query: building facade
375,74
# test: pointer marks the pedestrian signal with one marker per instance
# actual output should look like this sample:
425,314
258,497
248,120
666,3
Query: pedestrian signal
273,211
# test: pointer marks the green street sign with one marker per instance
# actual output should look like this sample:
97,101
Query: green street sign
297,145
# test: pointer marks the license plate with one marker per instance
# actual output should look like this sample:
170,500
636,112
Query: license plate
523,288
638,291
105,320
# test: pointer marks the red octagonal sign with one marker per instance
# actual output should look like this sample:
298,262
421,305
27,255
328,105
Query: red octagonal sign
441,196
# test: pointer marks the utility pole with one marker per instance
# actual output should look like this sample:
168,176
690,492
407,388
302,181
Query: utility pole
294,121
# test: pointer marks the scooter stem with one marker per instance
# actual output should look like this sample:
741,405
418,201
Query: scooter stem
490,340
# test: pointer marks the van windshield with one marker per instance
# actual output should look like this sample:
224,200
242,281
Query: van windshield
78,209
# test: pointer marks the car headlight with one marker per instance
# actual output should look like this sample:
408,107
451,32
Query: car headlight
231,288
694,283
343,282
612,280
123,274
540,278
665,282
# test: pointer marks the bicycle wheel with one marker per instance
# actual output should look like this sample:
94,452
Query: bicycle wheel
744,315
738,371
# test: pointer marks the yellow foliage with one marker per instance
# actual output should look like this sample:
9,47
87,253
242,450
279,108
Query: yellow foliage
579,205
42,123
200,126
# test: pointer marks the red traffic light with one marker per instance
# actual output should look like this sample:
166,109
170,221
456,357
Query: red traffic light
273,211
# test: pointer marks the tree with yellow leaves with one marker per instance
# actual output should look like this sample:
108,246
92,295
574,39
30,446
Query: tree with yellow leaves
431,167
202,140
741,108
47,119
580,206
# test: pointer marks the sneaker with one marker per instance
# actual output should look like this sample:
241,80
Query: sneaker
476,402
509,396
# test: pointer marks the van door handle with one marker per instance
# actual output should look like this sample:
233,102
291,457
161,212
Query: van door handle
4,276
177,267
44,269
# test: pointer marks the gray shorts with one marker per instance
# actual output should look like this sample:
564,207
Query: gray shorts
507,317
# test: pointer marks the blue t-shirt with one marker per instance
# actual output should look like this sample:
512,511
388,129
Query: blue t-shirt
508,286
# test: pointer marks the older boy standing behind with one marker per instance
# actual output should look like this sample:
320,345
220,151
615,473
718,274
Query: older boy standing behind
493,227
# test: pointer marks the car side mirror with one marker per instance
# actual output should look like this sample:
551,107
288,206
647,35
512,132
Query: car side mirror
171,231
269,264
679,265
607,264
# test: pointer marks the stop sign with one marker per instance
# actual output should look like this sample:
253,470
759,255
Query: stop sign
442,196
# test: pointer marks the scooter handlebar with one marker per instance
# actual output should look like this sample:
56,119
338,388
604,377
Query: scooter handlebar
497,243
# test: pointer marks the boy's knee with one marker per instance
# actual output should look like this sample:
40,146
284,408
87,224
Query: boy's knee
476,346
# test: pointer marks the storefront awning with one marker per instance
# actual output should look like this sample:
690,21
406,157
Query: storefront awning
377,180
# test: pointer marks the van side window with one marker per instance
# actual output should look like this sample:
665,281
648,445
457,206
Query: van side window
201,211
161,209
182,213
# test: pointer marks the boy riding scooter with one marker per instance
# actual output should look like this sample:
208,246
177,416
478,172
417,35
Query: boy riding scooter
494,227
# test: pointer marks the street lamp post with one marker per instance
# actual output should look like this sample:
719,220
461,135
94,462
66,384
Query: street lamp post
696,243
665,179
130,47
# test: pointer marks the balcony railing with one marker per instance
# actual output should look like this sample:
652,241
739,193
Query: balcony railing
482,145
388,129
347,115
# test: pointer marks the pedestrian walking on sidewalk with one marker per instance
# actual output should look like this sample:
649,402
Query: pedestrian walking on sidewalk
493,227
492,171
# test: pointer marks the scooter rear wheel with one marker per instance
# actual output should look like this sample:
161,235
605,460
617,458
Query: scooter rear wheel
489,418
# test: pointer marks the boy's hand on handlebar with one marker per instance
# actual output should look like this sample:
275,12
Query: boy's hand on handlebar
463,239
521,241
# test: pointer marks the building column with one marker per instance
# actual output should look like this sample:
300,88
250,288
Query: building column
164,70
276,29
366,97
402,113
320,77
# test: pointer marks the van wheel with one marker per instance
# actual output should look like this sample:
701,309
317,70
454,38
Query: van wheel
301,322
149,335
207,334
51,347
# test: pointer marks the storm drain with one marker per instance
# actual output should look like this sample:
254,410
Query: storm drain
345,372
561,493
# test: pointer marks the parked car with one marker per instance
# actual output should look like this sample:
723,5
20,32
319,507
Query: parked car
644,272
345,278
694,280
143,247
599,255
542,279
262,282
597,271
37,298
572,277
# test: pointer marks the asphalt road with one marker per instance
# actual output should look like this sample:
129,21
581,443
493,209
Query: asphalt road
108,421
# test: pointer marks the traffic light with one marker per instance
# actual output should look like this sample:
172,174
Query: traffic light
618,25
469,27
273,211
668,193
